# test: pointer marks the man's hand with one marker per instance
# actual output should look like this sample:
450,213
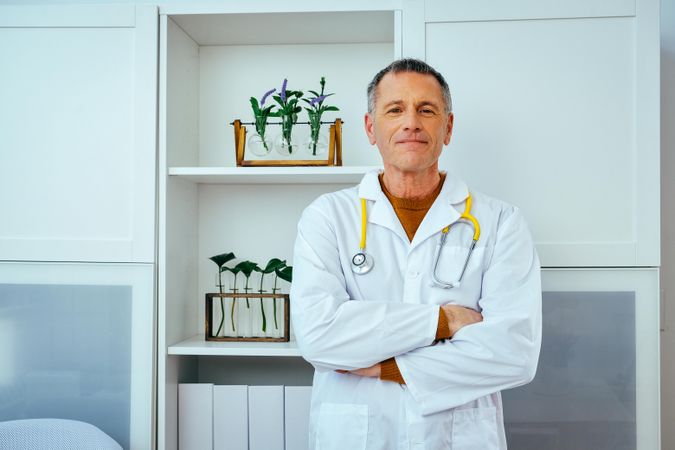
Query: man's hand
372,371
459,316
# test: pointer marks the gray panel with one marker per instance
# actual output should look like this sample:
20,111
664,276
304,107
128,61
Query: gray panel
583,396
65,352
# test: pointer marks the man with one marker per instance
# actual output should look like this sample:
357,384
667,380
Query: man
410,350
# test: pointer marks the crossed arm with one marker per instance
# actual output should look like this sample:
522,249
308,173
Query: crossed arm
499,352
451,318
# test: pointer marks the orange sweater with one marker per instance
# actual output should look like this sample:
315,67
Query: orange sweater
411,212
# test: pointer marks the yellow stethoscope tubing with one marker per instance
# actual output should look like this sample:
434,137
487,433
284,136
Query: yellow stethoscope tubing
364,220
467,218
466,215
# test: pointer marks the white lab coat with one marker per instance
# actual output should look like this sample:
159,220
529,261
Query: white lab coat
341,320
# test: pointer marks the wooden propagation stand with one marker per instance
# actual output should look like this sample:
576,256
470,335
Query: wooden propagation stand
236,297
334,150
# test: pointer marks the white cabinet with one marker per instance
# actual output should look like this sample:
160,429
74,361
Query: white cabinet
557,109
78,89
76,342
597,381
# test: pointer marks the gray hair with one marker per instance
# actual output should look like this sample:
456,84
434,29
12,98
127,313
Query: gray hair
409,65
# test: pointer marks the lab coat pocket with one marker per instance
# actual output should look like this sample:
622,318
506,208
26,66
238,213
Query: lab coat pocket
342,426
475,429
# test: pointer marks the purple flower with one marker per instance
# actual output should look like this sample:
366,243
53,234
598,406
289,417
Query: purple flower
267,94
283,91
316,100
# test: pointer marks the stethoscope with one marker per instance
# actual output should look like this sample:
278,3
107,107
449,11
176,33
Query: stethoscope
362,262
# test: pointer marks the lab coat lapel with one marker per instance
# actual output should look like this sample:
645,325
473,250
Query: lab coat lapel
444,211
380,211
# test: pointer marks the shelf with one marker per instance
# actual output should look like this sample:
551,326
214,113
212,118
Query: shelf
196,345
271,175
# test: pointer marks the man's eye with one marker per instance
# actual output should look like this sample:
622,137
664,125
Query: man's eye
394,110
427,111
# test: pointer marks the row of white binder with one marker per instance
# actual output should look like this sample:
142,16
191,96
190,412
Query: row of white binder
243,417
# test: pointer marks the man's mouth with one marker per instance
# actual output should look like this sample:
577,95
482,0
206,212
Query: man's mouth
411,141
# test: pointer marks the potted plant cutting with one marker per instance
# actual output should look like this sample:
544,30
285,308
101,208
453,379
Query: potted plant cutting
247,320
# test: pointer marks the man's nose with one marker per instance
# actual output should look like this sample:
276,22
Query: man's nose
411,121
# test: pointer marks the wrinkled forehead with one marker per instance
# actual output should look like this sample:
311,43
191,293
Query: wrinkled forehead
409,87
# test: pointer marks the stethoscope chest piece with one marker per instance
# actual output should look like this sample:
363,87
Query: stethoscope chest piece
362,263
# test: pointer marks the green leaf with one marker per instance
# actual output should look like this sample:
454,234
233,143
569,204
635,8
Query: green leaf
246,267
331,108
274,264
314,93
233,270
285,273
222,258
254,106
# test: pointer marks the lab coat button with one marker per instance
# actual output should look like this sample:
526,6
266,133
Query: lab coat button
413,274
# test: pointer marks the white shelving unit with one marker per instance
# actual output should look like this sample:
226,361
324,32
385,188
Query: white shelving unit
212,60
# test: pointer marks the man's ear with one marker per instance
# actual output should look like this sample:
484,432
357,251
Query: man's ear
370,128
448,131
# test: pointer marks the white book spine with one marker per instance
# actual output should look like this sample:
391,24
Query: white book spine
266,417
195,416
296,416
230,417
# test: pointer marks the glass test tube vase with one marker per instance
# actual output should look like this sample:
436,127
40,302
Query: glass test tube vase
258,317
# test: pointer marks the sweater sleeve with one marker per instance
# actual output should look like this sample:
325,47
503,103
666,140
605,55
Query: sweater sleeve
389,371
443,328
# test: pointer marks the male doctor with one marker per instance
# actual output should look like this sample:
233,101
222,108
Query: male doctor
411,350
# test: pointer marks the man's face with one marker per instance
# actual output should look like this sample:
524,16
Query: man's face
409,123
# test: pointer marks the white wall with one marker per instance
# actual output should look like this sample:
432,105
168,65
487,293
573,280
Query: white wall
668,222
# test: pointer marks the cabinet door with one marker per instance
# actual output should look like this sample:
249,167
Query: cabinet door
76,343
78,112
557,110
597,384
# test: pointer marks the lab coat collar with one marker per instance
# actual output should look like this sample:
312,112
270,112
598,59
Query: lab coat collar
380,212
442,213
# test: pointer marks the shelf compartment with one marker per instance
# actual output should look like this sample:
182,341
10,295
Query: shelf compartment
198,346
315,27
